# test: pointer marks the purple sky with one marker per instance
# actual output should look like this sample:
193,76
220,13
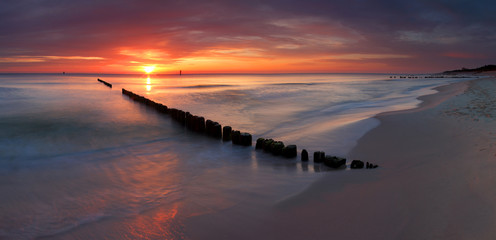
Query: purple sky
246,36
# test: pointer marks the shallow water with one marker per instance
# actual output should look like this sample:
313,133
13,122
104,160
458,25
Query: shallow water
79,159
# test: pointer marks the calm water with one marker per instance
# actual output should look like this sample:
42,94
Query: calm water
79,160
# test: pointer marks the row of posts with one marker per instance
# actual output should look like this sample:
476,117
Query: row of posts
215,130
106,83
196,123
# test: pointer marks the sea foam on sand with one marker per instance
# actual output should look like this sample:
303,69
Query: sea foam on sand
435,181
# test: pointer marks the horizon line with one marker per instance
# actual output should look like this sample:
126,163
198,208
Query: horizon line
210,73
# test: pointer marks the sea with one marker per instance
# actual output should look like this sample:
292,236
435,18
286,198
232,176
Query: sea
79,160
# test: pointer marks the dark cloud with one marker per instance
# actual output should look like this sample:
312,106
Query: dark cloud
435,35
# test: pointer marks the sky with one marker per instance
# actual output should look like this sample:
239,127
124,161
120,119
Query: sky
249,36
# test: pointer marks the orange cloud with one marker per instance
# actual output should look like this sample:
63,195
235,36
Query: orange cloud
229,36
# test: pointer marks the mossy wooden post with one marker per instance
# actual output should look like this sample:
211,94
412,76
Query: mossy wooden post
267,146
290,151
277,147
260,143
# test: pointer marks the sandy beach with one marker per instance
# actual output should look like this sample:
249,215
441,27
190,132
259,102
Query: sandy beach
435,180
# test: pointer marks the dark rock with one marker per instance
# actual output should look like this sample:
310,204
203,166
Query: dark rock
226,130
290,151
304,155
334,162
356,164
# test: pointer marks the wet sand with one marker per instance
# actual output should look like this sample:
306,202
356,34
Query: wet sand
435,181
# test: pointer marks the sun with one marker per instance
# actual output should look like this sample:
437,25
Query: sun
148,69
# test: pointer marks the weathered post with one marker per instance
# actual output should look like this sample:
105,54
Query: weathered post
304,155
260,143
318,157
235,135
226,133
356,164
217,130
334,162
267,146
290,151
245,139
277,147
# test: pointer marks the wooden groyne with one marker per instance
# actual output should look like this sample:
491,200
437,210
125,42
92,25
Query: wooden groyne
195,123
106,83
215,130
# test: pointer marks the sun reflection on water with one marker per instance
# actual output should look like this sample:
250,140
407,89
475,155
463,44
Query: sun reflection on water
148,84
160,224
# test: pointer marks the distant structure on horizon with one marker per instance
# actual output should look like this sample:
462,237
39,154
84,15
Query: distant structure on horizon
485,68
180,72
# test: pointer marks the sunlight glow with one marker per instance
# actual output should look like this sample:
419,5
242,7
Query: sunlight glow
148,69
148,84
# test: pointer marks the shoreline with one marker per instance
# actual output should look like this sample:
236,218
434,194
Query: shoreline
443,93
434,181
427,185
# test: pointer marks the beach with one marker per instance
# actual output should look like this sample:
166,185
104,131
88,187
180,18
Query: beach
241,120
79,160
435,180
